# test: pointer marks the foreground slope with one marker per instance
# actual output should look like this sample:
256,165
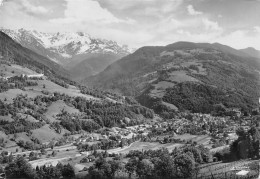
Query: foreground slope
38,107
194,76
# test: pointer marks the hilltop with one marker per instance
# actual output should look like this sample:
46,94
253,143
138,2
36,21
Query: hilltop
199,77
252,52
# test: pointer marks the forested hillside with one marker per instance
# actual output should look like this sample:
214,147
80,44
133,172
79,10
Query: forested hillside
175,74
25,57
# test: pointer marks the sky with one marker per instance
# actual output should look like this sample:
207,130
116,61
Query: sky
139,23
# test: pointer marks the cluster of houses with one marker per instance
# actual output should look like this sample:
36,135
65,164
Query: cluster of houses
122,133
40,75
37,76
223,128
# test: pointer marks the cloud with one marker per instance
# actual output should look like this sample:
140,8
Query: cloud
138,22
211,25
192,11
86,11
31,9
1,2
242,38
252,0
257,29
142,8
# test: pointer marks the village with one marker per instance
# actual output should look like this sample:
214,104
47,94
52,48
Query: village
81,148
213,132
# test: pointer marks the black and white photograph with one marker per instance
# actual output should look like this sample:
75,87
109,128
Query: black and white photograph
129,89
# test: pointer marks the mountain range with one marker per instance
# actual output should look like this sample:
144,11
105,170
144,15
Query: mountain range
200,75
81,54
186,76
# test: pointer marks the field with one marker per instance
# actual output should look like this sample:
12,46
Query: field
9,95
9,144
43,85
181,76
47,85
174,77
21,136
13,70
6,118
65,154
56,108
200,139
171,106
159,88
34,91
144,146
45,133
219,148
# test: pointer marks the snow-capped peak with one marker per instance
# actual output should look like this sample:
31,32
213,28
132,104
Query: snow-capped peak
64,44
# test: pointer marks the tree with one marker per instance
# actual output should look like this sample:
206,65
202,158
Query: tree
43,151
95,173
105,155
184,165
20,168
115,166
131,166
54,153
145,169
205,154
104,169
196,153
107,170
2,169
33,156
164,166
247,144
241,132
68,171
